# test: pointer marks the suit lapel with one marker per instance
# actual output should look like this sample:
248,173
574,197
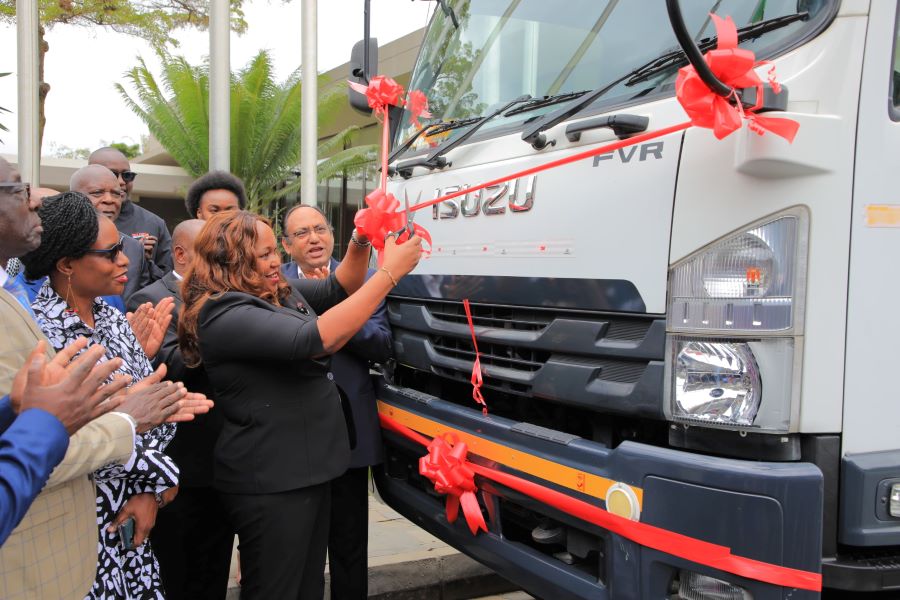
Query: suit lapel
173,284
13,305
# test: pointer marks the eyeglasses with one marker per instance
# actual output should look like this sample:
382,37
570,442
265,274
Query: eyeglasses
302,234
127,176
18,188
112,252
98,194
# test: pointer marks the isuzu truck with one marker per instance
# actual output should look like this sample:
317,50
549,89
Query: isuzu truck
694,334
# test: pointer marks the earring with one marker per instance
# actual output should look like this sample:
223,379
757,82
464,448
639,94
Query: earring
69,309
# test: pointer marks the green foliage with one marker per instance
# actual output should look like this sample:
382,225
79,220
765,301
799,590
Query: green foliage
265,123
129,150
152,20
63,151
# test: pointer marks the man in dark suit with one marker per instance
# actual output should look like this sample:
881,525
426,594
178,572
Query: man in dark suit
100,185
132,219
309,239
192,538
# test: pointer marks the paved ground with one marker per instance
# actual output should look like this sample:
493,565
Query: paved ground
406,563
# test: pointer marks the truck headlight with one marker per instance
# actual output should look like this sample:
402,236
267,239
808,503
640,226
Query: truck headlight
895,500
750,281
734,321
716,382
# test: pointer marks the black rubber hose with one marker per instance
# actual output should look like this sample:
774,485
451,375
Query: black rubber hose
692,51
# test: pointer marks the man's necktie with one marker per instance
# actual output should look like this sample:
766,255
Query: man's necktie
18,291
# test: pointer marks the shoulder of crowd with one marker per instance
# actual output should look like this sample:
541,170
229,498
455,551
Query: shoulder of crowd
148,214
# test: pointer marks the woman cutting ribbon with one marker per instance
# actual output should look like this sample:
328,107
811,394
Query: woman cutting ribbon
265,351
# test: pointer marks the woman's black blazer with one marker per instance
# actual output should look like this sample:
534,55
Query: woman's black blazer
284,427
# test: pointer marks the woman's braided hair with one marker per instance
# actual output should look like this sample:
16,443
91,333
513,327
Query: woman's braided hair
70,226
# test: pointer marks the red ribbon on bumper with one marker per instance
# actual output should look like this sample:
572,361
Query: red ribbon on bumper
446,466
733,66
663,540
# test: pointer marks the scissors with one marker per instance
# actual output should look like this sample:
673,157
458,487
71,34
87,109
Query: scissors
409,227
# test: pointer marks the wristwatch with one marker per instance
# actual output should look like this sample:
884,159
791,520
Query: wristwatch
160,502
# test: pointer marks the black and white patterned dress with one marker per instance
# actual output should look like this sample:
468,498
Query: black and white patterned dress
125,574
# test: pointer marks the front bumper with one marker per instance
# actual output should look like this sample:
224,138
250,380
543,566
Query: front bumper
769,512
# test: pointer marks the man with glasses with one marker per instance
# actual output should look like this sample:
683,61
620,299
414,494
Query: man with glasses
131,219
102,186
309,239
52,551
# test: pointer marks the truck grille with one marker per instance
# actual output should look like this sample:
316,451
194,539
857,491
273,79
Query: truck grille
608,363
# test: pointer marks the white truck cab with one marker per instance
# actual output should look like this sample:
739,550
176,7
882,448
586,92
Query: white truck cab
705,324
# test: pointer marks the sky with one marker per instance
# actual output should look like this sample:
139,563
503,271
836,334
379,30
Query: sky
84,109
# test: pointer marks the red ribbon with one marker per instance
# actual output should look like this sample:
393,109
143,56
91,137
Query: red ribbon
663,540
417,105
380,216
381,92
446,466
477,379
733,66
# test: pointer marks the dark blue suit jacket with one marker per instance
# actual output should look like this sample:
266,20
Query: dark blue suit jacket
350,366
30,446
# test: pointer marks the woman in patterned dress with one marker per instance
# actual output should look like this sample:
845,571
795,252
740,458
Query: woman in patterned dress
81,252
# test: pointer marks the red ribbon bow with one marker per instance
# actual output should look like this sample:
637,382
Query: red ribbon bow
417,105
381,216
446,466
381,92
733,66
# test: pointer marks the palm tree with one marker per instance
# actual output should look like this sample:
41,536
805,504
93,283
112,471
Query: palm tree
265,124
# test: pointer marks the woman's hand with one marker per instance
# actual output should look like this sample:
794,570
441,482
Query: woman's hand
168,496
400,259
143,508
150,323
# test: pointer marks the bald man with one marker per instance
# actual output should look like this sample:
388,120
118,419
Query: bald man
102,187
191,539
134,220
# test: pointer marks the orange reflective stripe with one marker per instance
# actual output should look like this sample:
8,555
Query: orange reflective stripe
567,477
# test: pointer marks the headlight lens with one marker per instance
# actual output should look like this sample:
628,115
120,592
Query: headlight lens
895,500
747,282
716,382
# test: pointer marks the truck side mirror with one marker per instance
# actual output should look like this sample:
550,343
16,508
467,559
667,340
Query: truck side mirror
360,72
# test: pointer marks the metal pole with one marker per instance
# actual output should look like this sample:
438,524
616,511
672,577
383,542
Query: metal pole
27,22
308,104
219,85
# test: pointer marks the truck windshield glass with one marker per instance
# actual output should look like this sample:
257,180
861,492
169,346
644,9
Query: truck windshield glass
506,48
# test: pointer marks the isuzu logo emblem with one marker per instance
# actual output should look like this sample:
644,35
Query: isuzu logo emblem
516,196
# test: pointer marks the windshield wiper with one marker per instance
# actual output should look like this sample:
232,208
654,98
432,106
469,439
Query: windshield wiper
436,160
448,11
677,58
536,103
534,133
432,129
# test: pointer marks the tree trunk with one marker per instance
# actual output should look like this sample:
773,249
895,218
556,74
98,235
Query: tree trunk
44,87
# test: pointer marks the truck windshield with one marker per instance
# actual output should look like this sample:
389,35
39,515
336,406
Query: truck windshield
506,48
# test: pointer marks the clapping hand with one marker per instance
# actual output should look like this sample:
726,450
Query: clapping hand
71,390
153,401
150,323
317,273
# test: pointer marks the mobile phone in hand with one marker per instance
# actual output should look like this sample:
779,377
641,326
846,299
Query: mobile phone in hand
126,534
